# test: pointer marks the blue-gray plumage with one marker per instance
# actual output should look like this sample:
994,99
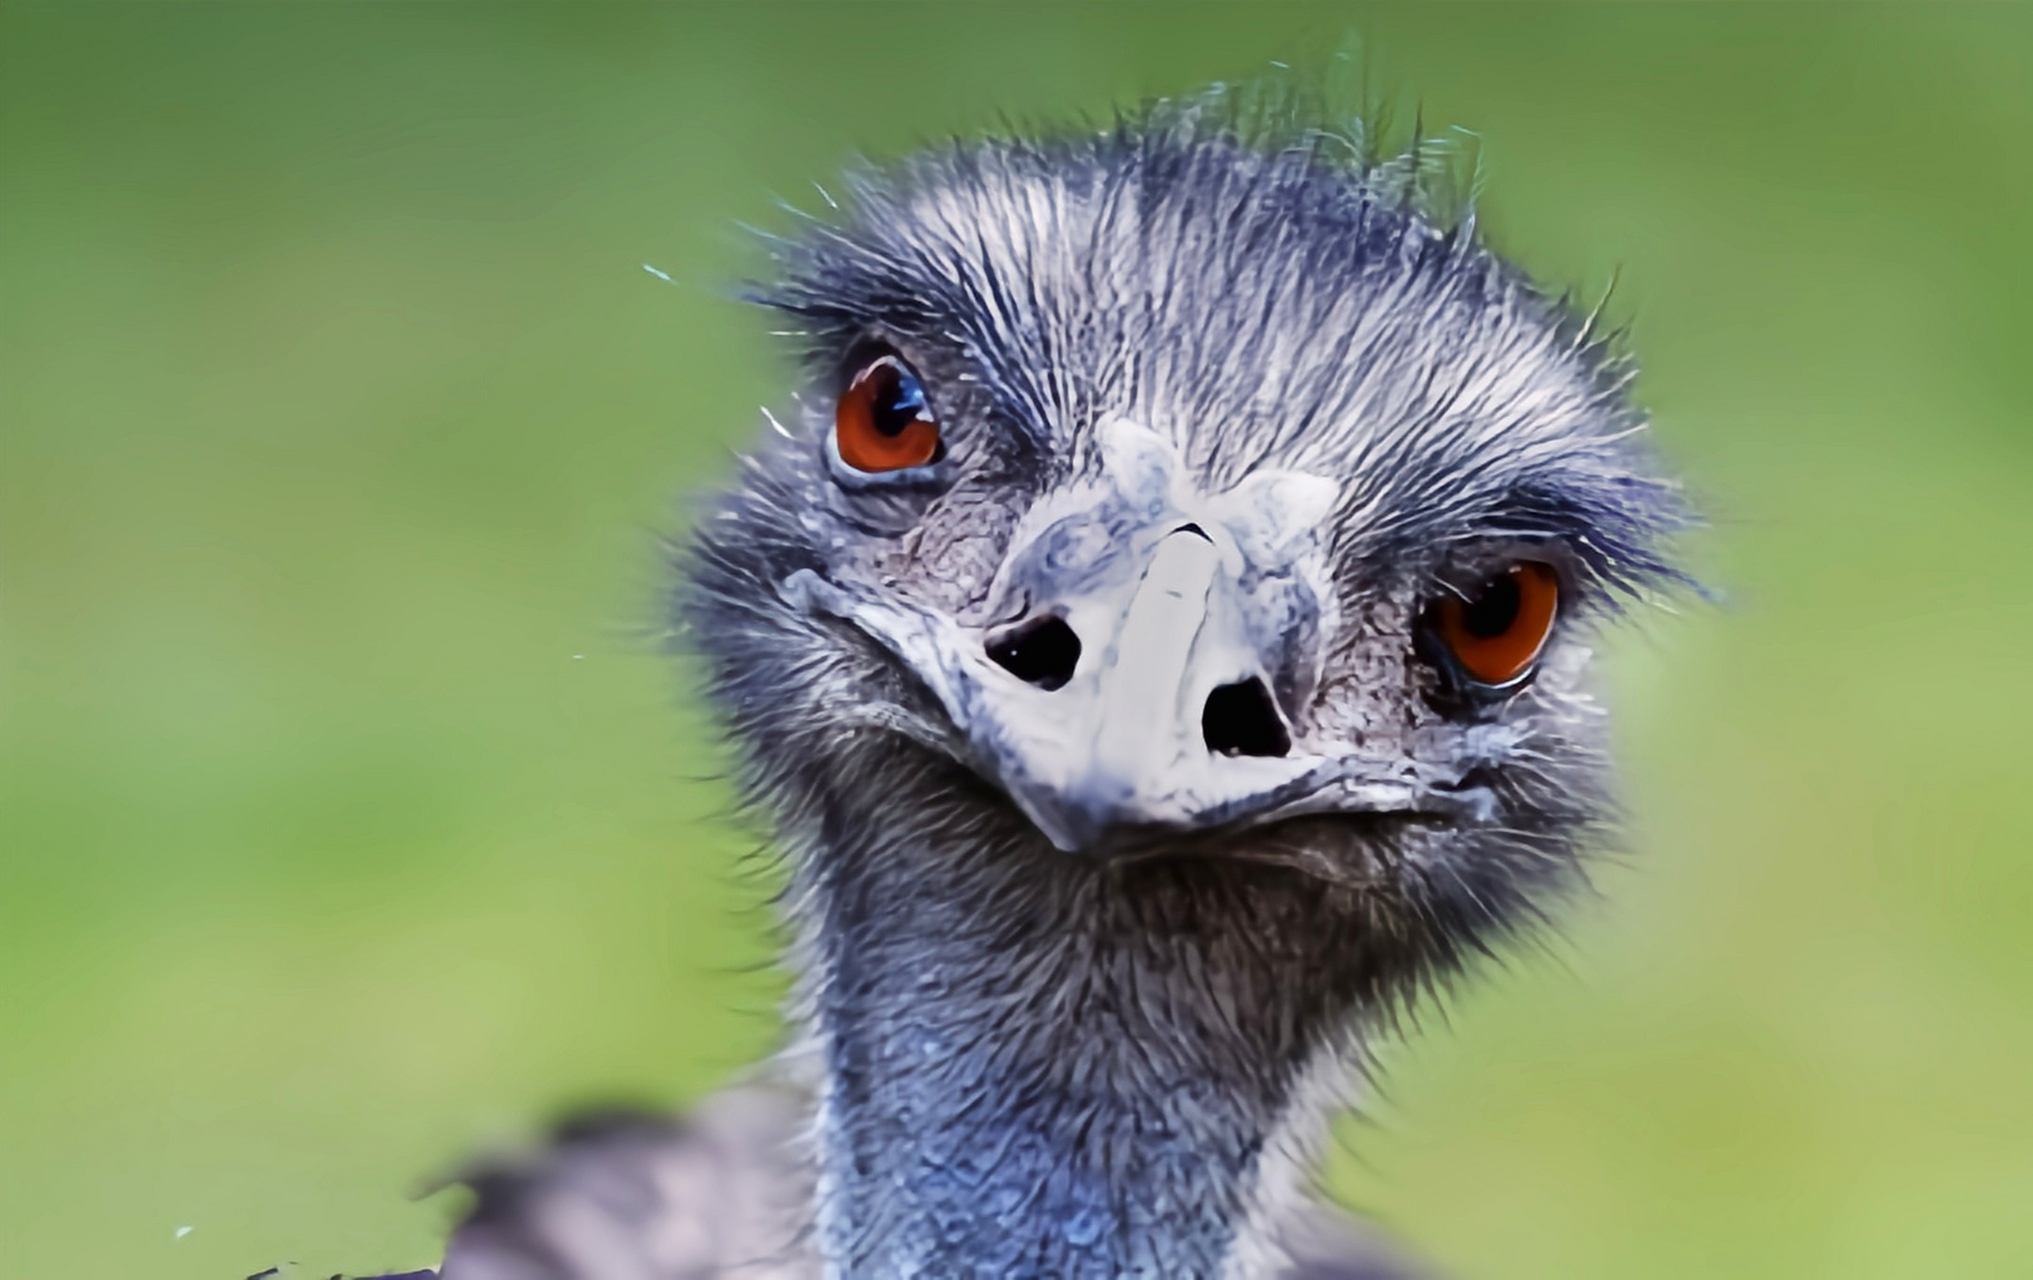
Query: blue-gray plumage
1158,634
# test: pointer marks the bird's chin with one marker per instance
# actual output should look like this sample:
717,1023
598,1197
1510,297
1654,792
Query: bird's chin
1338,834
1352,850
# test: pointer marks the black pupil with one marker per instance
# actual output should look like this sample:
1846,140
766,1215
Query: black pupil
1491,614
899,399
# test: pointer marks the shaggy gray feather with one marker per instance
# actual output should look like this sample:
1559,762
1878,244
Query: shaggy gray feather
724,1192
1111,1049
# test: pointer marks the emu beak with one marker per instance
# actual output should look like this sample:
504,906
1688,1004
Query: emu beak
1136,681
1168,723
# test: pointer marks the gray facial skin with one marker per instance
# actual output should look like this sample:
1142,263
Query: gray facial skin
1082,963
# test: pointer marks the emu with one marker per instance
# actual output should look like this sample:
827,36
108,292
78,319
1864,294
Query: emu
1158,633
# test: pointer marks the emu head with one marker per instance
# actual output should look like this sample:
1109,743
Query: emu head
1162,495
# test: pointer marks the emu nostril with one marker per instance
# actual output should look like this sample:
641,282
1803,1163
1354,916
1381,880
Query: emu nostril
1241,720
1043,652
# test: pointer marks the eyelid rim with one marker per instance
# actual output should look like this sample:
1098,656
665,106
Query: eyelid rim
937,473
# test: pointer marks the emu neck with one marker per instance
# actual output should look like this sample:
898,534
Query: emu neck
1038,1066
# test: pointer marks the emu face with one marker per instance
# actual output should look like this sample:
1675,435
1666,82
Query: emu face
1191,499
1159,637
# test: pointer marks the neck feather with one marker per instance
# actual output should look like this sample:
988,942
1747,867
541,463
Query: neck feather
1041,1066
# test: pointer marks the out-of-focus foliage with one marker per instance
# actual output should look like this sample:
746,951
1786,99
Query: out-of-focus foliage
349,817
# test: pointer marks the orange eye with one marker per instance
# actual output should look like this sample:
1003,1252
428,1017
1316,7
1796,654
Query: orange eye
884,422
1498,631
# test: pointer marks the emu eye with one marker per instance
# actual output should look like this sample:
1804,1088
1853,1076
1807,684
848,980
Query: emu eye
1497,632
883,422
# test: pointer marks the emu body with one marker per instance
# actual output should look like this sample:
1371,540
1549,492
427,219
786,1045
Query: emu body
1088,941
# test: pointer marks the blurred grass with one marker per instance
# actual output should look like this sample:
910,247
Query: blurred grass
349,818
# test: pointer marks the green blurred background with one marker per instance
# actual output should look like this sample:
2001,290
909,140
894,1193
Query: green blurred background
350,819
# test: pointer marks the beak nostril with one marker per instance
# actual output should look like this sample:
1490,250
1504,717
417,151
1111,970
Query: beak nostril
1042,652
1241,720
